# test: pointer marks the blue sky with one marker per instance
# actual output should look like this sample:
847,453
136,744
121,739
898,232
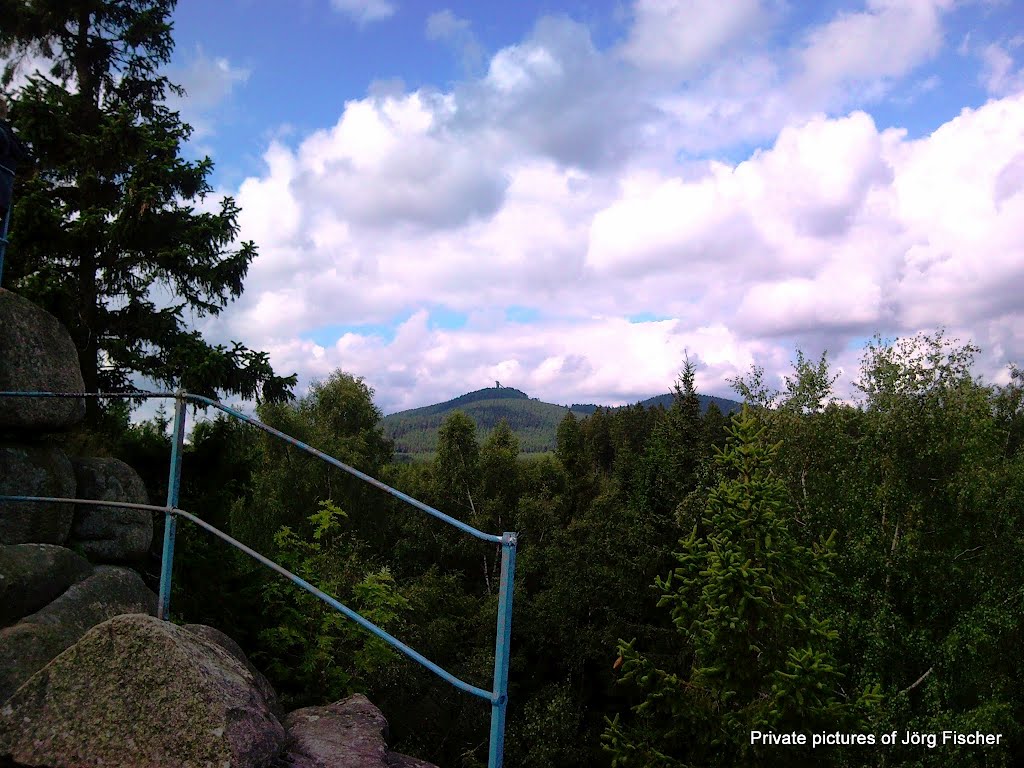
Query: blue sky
569,197
302,60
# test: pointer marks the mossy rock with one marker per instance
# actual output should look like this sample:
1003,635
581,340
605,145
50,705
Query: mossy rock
26,647
28,469
36,355
136,690
32,575
110,534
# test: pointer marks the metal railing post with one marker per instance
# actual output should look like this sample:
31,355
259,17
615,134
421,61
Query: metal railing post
5,224
163,608
499,703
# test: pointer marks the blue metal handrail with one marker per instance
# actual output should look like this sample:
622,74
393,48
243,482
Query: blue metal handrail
498,696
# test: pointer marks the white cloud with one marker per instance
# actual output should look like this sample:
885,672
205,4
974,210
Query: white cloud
396,161
607,359
836,231
24,66
208,82
758,85
998,74
552,182
888,39
678,36
556,95
445,25
365,11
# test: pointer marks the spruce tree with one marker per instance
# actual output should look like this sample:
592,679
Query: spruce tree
104,226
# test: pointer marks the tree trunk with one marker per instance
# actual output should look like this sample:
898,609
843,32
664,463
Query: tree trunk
87,342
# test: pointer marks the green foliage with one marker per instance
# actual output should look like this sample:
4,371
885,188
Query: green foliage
676,451
336,416
757,655
500,482
569,444
921,484
105,214
550,722
534,423
457,466
316,654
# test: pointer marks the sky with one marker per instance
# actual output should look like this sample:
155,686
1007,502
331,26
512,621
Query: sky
569,197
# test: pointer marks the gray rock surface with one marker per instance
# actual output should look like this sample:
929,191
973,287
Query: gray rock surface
32,575
110,534
347,734
33,642
36,354
137,691
35,470
229,645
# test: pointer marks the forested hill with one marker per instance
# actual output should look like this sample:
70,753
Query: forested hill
724,404
534,422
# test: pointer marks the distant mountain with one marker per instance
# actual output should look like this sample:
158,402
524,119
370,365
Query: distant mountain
725,405
534,422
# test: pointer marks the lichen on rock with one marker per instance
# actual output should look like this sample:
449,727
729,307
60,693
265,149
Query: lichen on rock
30,644
136,690
32,575
36,355
28,469
110,534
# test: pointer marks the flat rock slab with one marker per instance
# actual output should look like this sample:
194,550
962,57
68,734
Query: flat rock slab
347,734
110,534
36,355
33,575
136,690
33,642
35,470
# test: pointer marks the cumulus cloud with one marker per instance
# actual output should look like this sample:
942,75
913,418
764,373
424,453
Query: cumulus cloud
445,25
678,36
391,161
557,96
862,49
559,362
515,191
836,231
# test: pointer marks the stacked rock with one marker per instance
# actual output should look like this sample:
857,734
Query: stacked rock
62,566
37,355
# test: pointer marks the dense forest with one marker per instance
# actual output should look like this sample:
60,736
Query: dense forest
535,423
807,566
